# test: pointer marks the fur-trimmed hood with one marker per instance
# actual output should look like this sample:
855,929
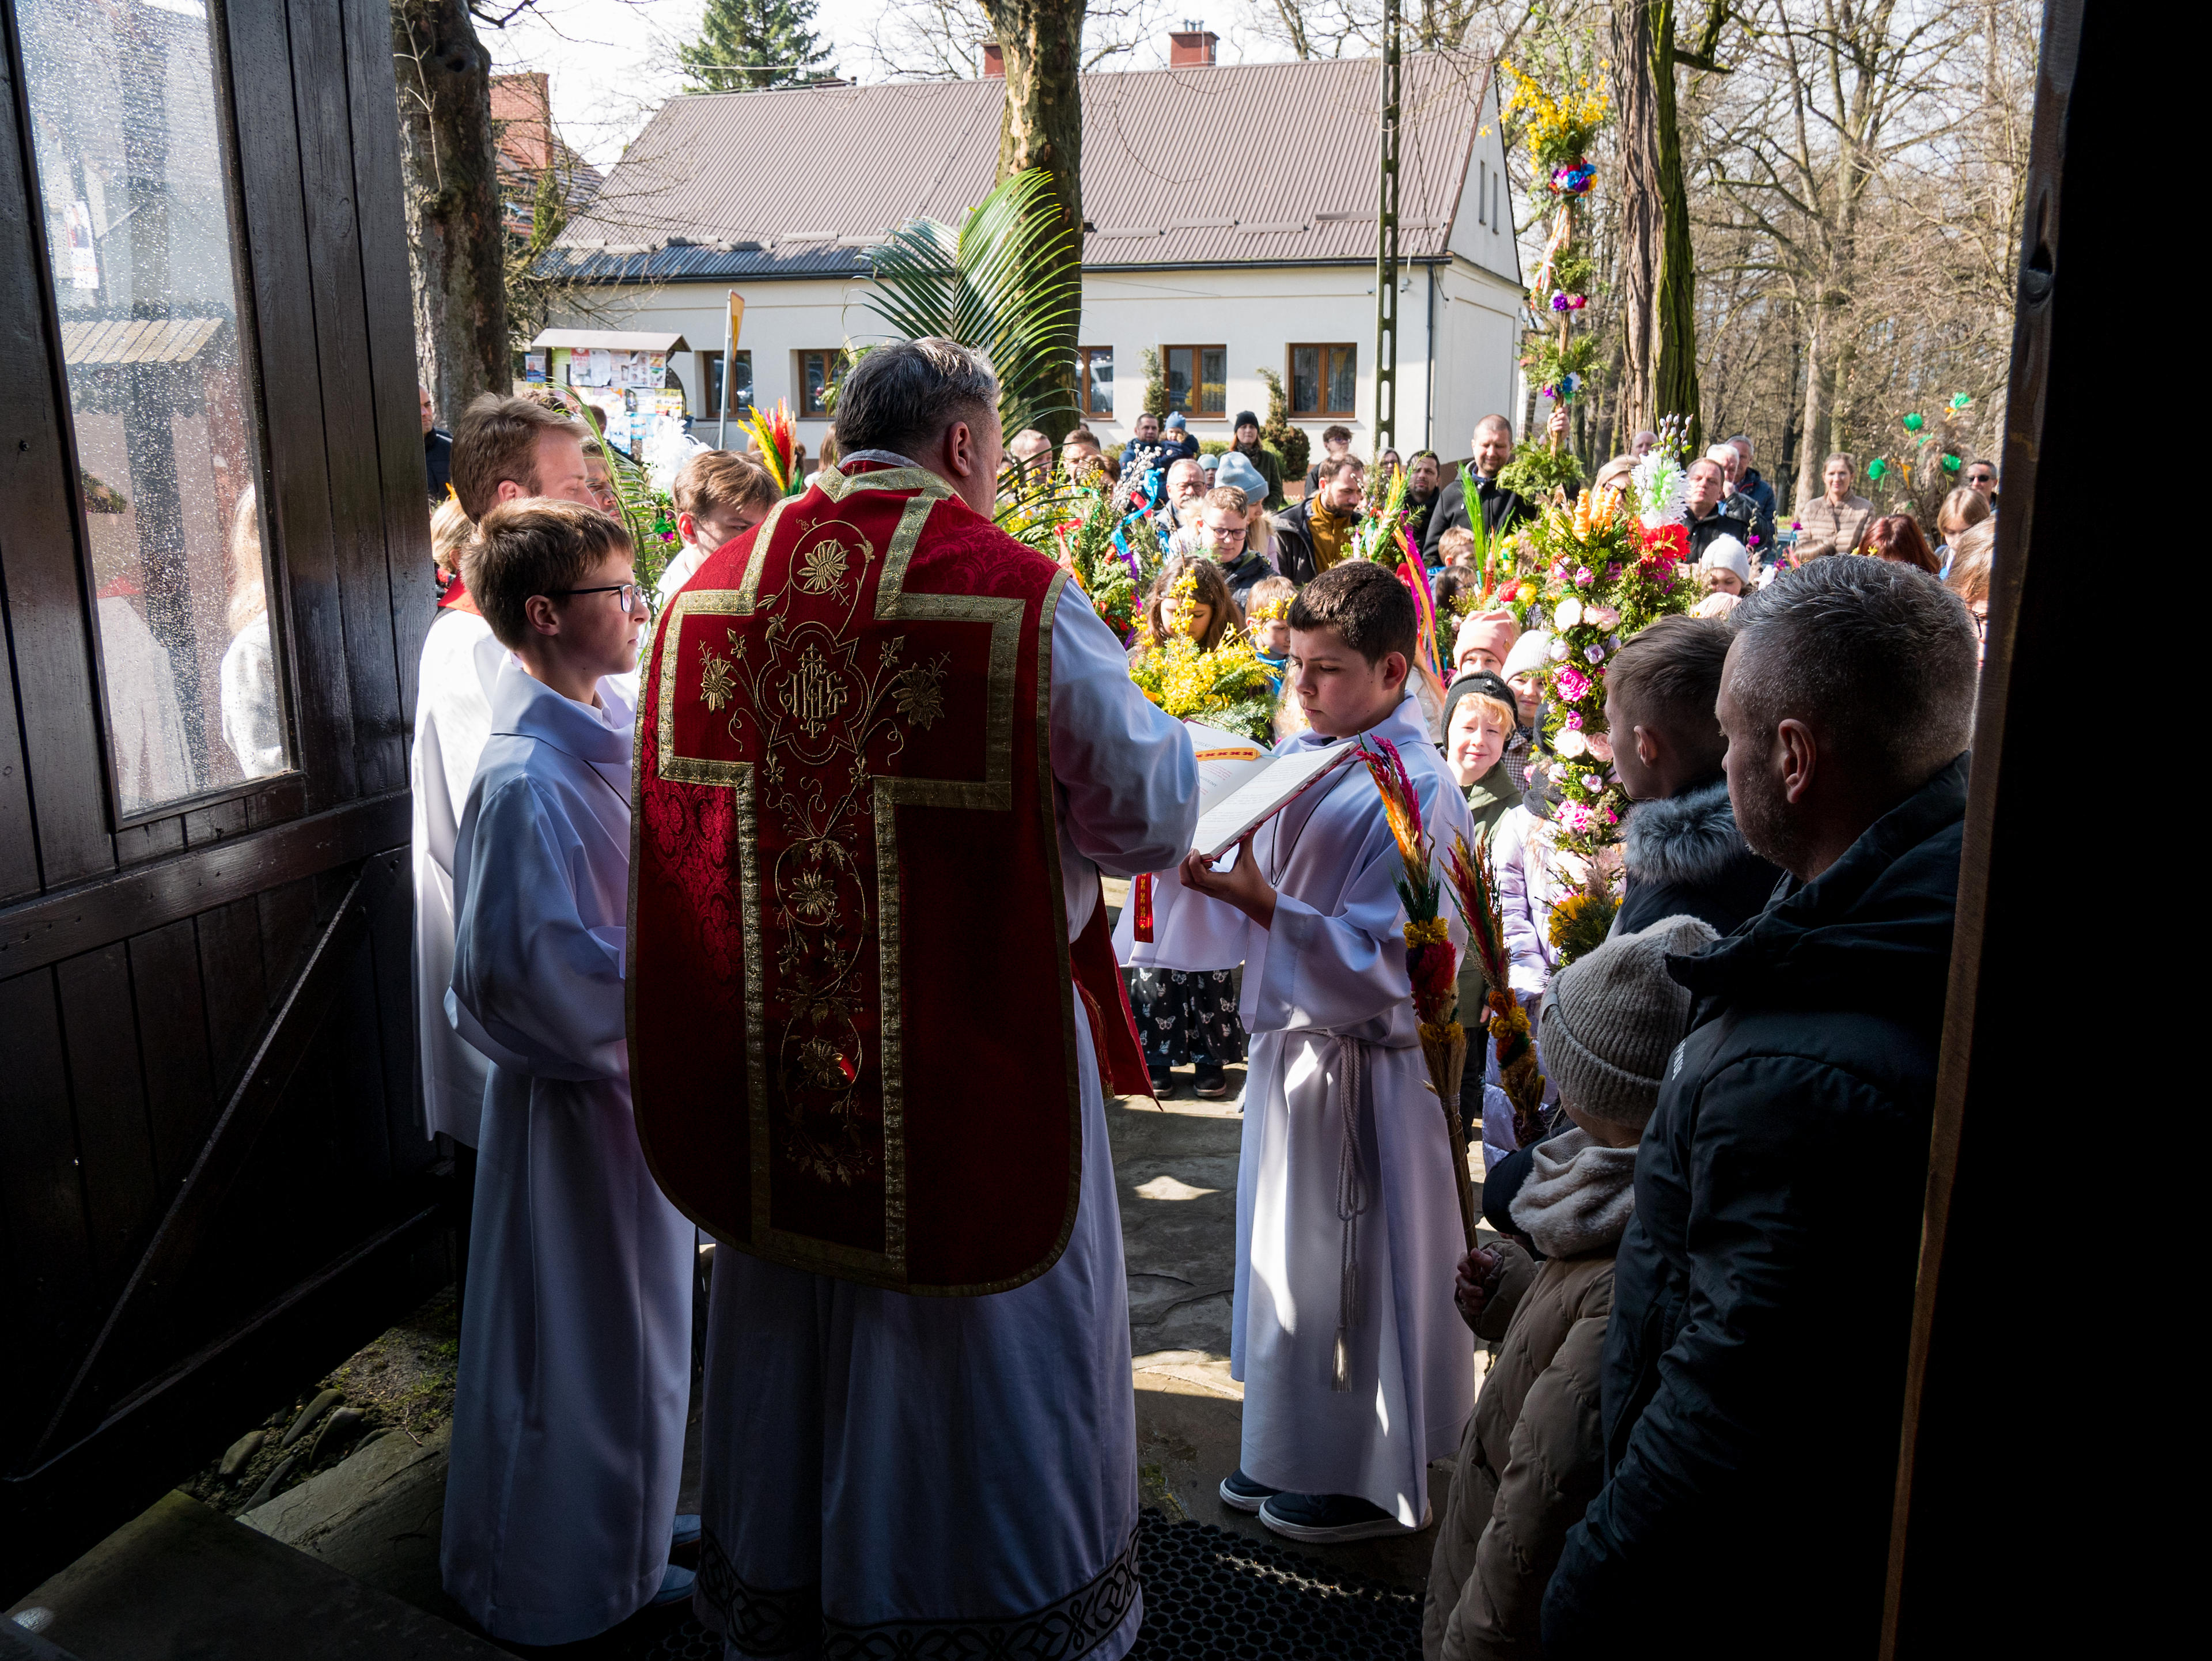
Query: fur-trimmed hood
1690,839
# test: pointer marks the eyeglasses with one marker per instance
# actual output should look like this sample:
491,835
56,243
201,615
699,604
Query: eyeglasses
634,598
1981,624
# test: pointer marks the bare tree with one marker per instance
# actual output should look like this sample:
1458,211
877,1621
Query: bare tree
942,39
456,236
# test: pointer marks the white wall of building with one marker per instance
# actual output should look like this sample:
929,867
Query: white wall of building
1255,312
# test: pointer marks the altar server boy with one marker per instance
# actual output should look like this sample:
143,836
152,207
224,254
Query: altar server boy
576,1339
1356,1372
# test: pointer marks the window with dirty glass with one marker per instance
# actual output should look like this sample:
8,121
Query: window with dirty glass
128,140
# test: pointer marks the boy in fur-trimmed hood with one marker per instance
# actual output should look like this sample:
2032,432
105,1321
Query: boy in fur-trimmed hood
1682,853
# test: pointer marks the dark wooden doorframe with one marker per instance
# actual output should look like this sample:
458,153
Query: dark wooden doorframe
1979,1538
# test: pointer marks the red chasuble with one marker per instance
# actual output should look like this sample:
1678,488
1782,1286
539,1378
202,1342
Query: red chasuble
851,1031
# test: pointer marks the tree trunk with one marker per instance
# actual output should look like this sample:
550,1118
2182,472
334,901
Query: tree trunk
456,239
1042,127
1637,275
1674,313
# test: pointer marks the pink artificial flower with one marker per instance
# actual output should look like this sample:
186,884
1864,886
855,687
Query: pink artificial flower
1571,685
1583,578
1600,745
1574,719
1601,617
1594,780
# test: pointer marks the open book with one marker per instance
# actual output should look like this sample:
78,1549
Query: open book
1241,786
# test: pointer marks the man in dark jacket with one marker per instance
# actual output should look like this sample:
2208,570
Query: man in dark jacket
1423,489
1709,512
437,450
1311,537
1757,491
1493,448
1751,1452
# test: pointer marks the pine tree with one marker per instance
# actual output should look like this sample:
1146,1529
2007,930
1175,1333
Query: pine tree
744,45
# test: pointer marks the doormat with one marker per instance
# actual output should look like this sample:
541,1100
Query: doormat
1213,1596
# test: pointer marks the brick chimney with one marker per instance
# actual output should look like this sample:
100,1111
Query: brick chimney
1191,47
994,61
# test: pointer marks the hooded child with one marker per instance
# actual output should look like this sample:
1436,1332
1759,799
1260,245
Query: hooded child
1356,1371
575,1363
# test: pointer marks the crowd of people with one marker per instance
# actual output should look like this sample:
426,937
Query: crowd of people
1740,1079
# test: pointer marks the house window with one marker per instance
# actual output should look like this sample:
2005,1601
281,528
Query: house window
1482,193
129,139
817,379
1198,379
1324,380
1098,381
741,390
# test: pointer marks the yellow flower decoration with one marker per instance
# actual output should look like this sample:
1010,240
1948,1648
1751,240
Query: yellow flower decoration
1426,930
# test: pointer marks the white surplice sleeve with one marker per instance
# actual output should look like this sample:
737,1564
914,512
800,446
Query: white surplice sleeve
1125,781
1344,972
533,988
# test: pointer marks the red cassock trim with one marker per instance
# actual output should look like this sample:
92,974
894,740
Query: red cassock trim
852,1002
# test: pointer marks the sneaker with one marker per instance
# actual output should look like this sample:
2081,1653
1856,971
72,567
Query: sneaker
1240,1492
687,1530
674,1587
1212,1084
1327,1519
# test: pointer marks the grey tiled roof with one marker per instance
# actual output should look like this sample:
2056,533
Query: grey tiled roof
1229,164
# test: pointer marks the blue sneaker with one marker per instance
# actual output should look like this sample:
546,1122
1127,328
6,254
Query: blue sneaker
674,1587
1327,1519
686,1532
1240,1492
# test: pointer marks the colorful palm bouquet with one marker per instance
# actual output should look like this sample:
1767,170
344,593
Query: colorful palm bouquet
1381,538
1474,890
776,437
1092,546
1431,964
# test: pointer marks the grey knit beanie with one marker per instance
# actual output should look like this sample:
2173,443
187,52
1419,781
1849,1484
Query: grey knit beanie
1612,1019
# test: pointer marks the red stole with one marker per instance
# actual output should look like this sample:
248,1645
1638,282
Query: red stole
852,993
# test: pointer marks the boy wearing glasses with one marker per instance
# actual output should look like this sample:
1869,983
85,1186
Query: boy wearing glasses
574,1376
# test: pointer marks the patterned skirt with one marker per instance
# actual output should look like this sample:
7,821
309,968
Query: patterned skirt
1187,1016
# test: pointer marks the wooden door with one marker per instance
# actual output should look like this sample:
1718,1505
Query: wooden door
215,570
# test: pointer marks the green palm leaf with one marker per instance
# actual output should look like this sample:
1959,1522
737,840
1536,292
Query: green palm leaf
979,285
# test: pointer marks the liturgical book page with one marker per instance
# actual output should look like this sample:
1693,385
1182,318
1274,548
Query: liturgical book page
1243,794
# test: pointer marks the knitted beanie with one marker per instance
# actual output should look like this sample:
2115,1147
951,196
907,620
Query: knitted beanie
1494,630
1527,653
1613,1018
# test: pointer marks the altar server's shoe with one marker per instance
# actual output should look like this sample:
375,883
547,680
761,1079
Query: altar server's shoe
686,1532
1240,1492
674,1587
1212,1084
1329,1518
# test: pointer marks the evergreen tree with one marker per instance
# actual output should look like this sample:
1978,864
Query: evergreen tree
744,45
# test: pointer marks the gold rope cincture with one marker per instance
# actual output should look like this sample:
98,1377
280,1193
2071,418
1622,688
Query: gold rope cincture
1350,1202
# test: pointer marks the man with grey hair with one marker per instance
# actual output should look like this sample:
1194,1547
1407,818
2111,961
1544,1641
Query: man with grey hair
1761,493
1781,1176
885,753
1186,486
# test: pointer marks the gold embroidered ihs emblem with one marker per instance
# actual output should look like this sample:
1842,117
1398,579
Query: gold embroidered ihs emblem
813,693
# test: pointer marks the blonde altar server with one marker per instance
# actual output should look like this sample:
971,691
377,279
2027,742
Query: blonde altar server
575,1370
452,719
920,1436
1357,1369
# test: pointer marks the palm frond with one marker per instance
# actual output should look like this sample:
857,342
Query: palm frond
979,284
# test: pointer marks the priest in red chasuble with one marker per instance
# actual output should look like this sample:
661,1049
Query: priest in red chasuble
883,752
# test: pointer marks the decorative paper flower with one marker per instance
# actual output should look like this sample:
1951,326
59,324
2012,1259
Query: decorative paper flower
1915,422
1575,817
1571,745
1876,469
1600,745
1595,653
1557,651
1950,463
1573,685
1593,781
1525,593
1575,719
1601,617
1584,577
1960,400
1569,614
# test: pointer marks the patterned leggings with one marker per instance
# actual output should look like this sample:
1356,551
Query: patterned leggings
1187,1016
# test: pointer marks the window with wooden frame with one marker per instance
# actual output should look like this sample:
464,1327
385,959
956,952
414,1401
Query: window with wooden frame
1324,380
1096,382
1198,381
818,373
710,389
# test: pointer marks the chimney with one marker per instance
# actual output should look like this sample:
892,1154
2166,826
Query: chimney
994,61
1191,47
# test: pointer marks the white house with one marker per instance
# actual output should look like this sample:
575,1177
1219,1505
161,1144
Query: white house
1230,226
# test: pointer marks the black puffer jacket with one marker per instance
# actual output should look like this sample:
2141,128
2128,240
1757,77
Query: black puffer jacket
1754,1364
1684,858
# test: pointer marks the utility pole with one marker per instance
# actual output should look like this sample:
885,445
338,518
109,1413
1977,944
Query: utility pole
1386,245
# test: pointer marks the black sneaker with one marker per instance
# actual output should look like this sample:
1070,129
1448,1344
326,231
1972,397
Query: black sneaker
1328,1518
1240,1492
1163,1082
1212,1084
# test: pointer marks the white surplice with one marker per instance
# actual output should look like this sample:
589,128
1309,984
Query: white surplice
453,718
575,1365
1189,930
1328,1005
955,1474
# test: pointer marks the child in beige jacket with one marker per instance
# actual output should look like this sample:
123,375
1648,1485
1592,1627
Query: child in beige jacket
1533,1454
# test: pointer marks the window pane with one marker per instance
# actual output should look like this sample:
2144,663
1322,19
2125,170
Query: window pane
131,180
1305,380
1214,385
1100,391
1179,369
1343,382
741,388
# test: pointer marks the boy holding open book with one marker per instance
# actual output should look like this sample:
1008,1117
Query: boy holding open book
1356,1372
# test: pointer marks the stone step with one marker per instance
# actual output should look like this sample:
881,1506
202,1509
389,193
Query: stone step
184,1583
